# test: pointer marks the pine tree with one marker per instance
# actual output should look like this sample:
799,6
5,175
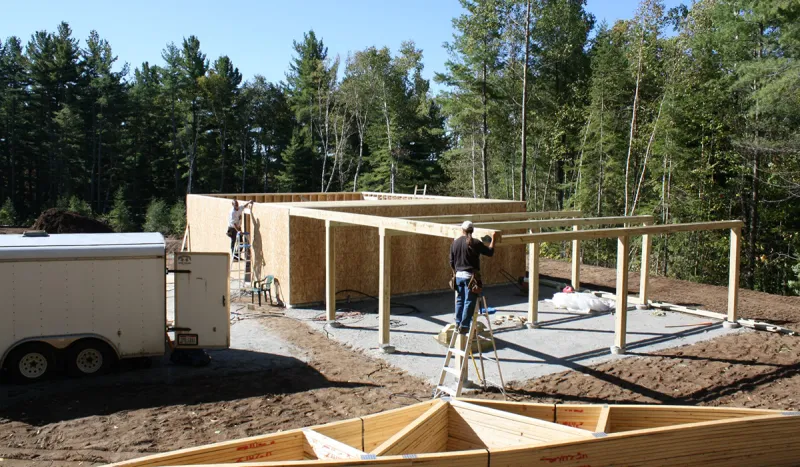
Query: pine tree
299,164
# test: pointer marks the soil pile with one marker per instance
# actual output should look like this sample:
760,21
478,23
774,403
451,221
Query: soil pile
60,221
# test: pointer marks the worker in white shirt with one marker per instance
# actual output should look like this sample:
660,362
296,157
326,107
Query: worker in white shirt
235,223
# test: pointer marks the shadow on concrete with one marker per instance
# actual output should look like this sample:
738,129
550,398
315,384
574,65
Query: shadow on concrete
243,374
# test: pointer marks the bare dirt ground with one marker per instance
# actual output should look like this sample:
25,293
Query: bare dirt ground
96,424
104,424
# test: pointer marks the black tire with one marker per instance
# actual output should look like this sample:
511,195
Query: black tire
31,362
89,357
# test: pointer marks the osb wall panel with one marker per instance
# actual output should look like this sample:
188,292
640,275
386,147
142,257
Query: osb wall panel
207,218
420,263
270,227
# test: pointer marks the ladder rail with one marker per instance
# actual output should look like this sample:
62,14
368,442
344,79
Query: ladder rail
473,337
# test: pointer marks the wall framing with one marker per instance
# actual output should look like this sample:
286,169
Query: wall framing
317,244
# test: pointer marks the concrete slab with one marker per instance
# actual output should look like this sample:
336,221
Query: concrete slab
565,341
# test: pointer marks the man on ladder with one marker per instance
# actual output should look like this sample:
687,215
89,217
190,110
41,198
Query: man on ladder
465,261
465,253
235,225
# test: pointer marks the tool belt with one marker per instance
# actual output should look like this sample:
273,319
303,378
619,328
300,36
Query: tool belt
475,283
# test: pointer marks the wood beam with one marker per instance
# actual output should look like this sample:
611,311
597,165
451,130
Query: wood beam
604,421
427,433
617,231
495,217
733,275
330,272
569,222
644,270
325,447
576,260
404,225
621,313
384,286
533,285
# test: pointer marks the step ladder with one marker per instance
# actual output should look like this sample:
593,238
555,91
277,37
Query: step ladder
422,192
242,269
461,372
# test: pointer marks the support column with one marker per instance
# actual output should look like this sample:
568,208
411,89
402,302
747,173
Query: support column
330,274
533,284
576,261
644,277
621,314
385,289
733,279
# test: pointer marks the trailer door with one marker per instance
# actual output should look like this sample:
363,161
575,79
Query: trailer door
202,300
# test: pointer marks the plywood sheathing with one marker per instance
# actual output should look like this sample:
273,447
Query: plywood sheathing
419,262
207,216
293,249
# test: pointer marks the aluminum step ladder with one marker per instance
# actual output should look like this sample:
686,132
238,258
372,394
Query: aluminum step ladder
242,258
461,372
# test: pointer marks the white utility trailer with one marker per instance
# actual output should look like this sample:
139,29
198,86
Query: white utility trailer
86,300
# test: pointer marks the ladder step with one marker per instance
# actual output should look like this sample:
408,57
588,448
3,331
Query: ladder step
446,390
460,353
484,338
452,371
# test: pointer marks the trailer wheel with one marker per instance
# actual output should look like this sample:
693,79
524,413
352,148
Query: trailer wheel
31,362
89,357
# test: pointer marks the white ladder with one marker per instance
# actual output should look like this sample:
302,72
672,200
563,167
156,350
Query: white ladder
243,250
462,372
422,192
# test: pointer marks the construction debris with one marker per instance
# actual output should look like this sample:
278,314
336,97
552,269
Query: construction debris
60,221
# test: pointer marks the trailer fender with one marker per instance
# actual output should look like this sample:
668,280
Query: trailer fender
58,342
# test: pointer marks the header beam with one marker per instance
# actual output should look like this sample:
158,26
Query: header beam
618,232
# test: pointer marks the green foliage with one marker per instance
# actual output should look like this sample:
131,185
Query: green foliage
157,218
8,215
79,206
699,124
119,218
177,219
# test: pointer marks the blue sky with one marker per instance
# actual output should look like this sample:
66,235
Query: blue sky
257,34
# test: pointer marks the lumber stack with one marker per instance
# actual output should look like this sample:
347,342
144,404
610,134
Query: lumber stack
470,432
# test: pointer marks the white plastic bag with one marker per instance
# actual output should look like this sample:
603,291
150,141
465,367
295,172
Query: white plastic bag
581,302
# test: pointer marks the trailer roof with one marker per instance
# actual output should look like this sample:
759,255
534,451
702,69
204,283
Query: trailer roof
56,246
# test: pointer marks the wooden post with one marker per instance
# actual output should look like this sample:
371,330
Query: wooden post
533,284
384,287
330,272
576,261
733,278
621,314
644,277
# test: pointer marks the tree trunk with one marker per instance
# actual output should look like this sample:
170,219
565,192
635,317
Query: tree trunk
474,190
176,172
485,133
633,117
524,143
360,158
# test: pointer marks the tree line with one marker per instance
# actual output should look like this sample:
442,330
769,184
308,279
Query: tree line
689,114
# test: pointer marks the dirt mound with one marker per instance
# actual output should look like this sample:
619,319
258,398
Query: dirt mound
60,221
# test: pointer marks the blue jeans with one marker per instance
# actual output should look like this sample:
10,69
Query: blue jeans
465,304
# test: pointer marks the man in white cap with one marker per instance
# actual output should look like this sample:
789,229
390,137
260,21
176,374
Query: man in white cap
465,261
235,224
